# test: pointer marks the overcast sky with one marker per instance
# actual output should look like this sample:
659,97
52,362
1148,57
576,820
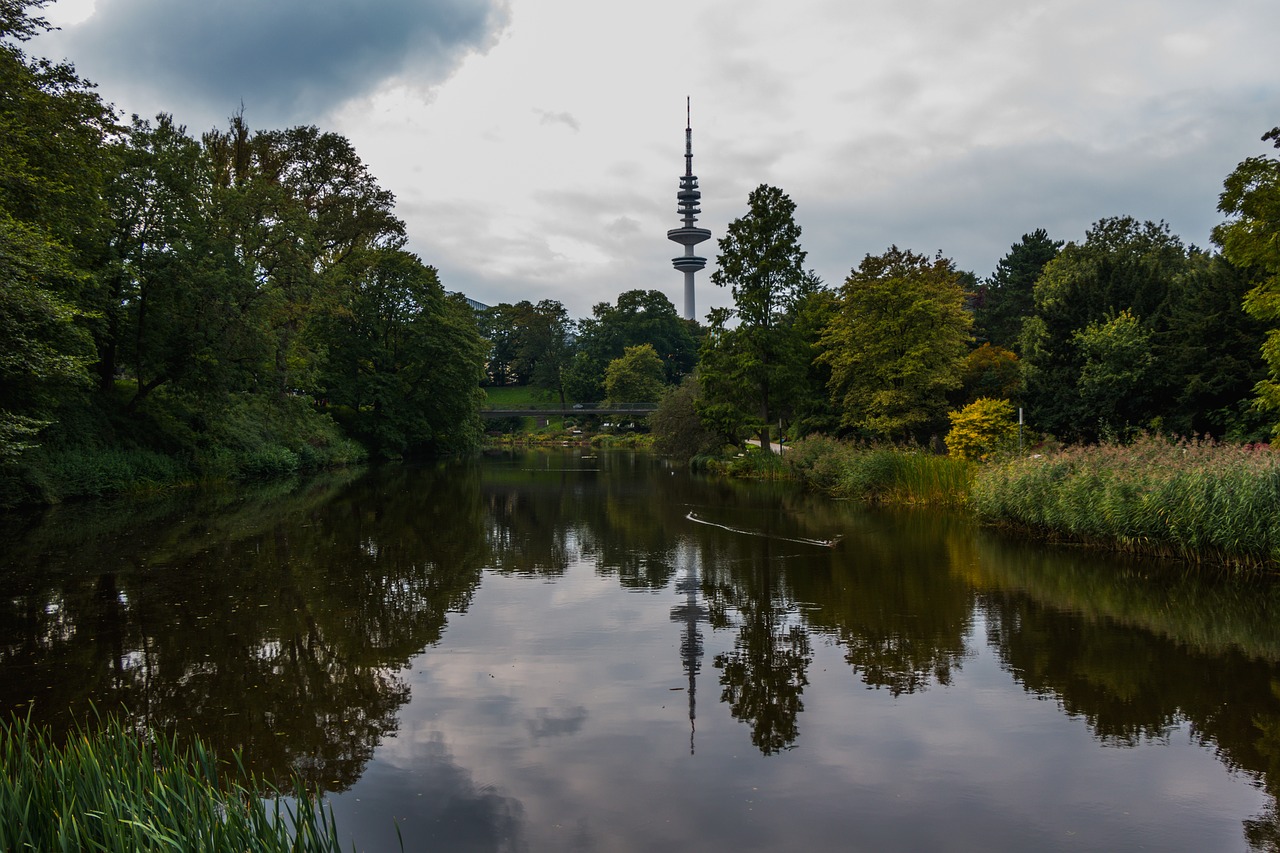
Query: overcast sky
534,146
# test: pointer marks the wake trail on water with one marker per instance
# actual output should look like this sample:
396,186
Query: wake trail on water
825,543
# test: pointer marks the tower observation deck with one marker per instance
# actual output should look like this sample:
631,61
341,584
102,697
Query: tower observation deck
688,235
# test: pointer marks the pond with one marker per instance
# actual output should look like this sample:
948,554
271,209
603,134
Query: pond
588,650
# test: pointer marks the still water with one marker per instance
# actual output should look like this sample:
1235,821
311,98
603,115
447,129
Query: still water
580,650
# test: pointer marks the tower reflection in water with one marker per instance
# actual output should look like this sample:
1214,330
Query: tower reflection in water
689,613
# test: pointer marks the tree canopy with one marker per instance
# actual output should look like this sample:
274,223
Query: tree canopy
897,343
1250,238
751,371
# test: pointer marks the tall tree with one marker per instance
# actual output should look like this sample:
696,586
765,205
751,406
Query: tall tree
1116,363
298,203
1006,298
54,131
404,363
1250,238
897,343
1122,265
762,264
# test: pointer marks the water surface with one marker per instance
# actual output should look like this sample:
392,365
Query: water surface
580,650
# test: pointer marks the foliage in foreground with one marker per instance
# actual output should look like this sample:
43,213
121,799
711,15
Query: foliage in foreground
1200,501
112,790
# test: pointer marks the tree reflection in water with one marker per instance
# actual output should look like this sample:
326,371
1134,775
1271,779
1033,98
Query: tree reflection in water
275,626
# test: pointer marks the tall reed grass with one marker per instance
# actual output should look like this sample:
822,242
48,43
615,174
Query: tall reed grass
882,473
1197,500
111,790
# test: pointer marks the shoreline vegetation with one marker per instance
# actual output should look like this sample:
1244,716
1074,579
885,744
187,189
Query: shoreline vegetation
1206,503
109,788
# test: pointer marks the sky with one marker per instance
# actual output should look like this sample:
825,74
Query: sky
535,146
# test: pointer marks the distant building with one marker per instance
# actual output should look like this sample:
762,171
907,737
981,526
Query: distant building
475,306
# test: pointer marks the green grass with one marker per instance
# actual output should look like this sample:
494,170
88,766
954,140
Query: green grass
880,473
1198,501
114,789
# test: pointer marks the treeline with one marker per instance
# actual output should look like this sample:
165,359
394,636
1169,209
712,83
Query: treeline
1128,331
174,306
624,354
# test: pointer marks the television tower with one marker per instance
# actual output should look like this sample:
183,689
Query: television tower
688,236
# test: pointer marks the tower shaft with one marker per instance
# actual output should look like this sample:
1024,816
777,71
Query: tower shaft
688,235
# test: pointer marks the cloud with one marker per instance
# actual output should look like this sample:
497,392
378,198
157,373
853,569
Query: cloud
558,118
287,61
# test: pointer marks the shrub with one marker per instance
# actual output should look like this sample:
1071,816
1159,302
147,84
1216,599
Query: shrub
983,428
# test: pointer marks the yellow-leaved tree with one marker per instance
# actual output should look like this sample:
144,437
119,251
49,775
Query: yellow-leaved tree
983,427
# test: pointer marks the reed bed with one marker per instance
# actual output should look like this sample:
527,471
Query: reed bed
112,790
1196,500
881,473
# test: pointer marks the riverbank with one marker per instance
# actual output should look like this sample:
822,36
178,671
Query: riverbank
1206,503
103,448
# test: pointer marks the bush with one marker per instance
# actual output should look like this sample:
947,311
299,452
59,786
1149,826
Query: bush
879,472
983,428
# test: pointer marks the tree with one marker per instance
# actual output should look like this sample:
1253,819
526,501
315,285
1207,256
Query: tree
404,359
991,371
1215,351
634,378
1116,362
1250,238
981,428
296,204
1122,265
762,360
897,343
678,432
53,156
1007,297
639,317
546,346
44,350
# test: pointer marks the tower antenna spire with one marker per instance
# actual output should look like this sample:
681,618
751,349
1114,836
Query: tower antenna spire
688,235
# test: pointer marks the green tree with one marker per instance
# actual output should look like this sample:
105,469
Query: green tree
296,204
166,306
53,157
546,347
1007,297
762,361
897,343
991,371
1122,265
1250,238
636,377
639,317
1116,364
678,432
1215,350
44,350
404,363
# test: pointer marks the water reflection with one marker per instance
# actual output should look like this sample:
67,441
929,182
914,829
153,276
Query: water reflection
298,623
277,626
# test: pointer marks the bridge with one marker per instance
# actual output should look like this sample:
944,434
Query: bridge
547,413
